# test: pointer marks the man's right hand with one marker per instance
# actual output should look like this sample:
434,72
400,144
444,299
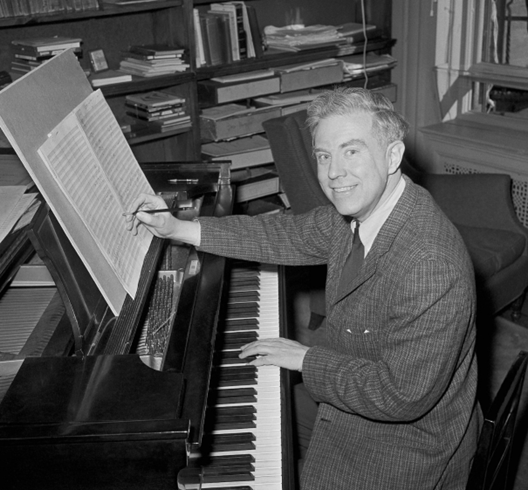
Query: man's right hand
163,225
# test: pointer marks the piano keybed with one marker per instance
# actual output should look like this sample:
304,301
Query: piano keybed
242,445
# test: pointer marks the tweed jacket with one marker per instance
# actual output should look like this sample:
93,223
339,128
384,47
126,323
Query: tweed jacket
396,377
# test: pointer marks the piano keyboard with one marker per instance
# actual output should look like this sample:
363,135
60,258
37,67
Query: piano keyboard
243,449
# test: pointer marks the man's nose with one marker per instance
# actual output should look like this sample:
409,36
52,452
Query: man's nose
336,168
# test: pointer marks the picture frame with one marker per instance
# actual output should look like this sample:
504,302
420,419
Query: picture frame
98,60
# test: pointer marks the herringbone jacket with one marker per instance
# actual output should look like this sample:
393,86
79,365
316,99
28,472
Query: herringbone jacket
397,376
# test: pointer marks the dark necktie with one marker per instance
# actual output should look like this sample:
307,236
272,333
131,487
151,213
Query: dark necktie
353,262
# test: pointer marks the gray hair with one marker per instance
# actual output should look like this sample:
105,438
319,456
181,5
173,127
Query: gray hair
389,126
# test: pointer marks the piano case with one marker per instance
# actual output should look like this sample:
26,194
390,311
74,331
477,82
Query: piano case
99,416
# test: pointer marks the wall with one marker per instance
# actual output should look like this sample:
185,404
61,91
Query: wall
414,28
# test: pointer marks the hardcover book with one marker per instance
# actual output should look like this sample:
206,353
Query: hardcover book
154,99
242,152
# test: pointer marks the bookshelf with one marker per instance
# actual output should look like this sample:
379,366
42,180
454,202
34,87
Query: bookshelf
274,59
113,28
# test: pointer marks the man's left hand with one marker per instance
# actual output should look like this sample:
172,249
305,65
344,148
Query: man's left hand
277,352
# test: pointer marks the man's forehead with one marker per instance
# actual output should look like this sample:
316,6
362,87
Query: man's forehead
348,126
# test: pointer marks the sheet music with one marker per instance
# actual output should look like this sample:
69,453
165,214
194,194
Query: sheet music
97,171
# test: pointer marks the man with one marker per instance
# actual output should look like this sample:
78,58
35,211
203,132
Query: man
396,377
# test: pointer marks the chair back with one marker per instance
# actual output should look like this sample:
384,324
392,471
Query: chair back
491,463
291,145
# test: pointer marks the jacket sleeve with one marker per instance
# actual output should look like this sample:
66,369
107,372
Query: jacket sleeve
279,239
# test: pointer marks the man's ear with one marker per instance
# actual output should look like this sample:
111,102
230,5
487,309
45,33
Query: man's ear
395,153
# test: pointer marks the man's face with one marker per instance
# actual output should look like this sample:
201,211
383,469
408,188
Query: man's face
352,167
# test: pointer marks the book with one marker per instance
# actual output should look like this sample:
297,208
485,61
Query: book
198,38
256,33
244,152
45,44
246,27
288,98
259,186
241,31
109,77
271,204
230,10
154,99
305,75
216,38
232,120
213,91
156,50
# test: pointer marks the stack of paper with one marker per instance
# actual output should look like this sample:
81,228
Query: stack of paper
298,37
358,65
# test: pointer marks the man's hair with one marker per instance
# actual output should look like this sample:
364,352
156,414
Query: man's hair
388,125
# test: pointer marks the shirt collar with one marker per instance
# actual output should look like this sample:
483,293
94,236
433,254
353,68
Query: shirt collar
370,228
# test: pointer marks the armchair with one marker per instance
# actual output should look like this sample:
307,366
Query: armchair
479,205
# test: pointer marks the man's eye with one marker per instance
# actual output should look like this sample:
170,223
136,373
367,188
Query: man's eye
321,158
350,152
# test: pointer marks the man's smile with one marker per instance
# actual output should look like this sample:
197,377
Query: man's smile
344,188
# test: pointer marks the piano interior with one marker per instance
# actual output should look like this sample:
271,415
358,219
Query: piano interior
93,400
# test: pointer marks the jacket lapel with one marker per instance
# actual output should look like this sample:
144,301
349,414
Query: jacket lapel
386,236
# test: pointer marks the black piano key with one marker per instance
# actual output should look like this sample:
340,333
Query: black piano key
249,309
231,382
193,476
245,285
235,425
243,441
243,487
241,410
228,477
243,296
236,395
237,337
234,459
238,314
238,324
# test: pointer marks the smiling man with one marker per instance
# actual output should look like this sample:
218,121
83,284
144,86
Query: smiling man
395,380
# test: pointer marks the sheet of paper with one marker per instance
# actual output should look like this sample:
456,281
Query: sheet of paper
91,162
14,203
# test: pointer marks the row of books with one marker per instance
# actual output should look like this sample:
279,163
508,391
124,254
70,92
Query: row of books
21,8
226,32
30,53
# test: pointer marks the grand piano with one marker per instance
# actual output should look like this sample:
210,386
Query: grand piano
155,397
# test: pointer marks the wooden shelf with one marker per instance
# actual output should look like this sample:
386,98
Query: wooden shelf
274,58
139,84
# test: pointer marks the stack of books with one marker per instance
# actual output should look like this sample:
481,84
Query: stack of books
153,60
160,111
30,53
